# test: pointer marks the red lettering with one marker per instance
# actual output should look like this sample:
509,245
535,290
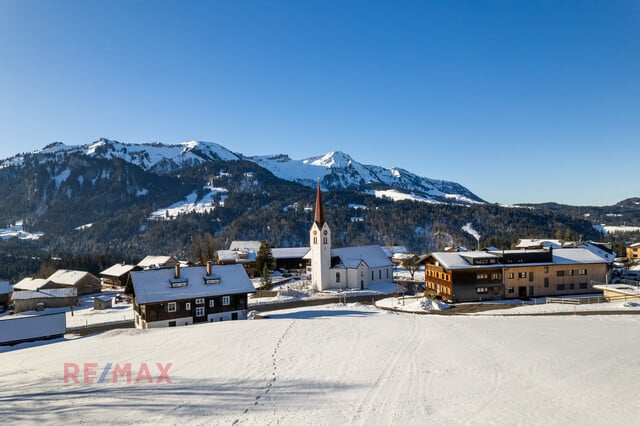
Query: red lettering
164,373
71,370
144,374
122,371
90,372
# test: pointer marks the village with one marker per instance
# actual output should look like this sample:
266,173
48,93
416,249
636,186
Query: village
162,291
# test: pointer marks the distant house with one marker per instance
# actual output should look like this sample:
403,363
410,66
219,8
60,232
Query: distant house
117,275
633,252
479,275
5,293
189,295
33,284
102,302
290,258
84,282
251,246
43,299
154,262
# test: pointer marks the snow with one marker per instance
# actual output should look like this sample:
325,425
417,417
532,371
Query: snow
62,177
396,195
17,231
341,364
417,304
191,204
539,306
611,229
83,227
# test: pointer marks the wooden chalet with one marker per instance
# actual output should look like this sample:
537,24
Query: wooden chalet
187,295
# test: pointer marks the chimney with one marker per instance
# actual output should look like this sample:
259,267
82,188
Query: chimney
209,267
177,271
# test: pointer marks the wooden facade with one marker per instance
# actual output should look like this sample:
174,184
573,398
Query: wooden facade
475,277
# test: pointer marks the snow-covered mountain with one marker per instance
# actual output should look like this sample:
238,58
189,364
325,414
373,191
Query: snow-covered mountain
155,157
337,170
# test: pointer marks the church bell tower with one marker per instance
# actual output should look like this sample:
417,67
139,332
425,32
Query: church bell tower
320,243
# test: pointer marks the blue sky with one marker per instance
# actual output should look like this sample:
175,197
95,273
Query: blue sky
520,101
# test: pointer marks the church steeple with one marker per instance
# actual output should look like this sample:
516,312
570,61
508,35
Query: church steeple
319,216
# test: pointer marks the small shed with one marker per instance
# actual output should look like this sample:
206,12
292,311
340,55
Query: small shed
102,302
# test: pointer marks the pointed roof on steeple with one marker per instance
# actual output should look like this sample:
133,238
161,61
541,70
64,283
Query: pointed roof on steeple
319,216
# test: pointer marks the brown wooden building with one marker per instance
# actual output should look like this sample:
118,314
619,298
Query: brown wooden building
479,275
187,295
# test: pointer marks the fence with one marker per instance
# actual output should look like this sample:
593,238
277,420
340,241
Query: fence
590,300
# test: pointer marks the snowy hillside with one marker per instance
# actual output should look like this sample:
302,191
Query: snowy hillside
337,364
337,170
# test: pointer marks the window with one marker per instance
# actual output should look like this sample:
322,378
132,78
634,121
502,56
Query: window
546,282
583,285
560,287
571,286
187,306
559,273
546,269
226,300
387,273
511,275
372,276
496,289
480,277
522,275
172,323
337,277
571,271
200,311
482,290
171,307
379,274
511,290
199,301
582,272
212,303
496,276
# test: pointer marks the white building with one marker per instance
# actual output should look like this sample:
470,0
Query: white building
343,268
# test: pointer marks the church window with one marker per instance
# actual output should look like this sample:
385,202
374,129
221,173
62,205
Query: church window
324,240
379,274
337,277
315,240
372,278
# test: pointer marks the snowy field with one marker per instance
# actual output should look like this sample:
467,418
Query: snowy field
341,364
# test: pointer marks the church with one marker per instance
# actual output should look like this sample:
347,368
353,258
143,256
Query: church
354,268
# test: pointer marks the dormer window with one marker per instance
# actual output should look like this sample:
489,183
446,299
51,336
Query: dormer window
178,283
212,279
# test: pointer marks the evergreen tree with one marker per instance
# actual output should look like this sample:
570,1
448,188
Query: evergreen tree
265,281
264,257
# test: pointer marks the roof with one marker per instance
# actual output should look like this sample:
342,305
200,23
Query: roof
232,255
534,242
103,298
245,245
149,261
118,270
32,284
68,277
5,287
289,253
564,256
50,293
154,285
372,255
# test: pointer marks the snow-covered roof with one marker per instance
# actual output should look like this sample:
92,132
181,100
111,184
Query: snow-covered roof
45,293
118,270
565,256
68,277
104,298
151,260
524,243
154,285
372,255
245,245
32,284
5,287
289,253
239,256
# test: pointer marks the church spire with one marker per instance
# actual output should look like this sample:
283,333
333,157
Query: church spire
319,217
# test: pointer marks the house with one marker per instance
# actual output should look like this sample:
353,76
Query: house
189,295
5,294
248,246
33,284
291,259
154,262
479,275
27,300
16,329
343,268
84,282
102,302
117,275
633,252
